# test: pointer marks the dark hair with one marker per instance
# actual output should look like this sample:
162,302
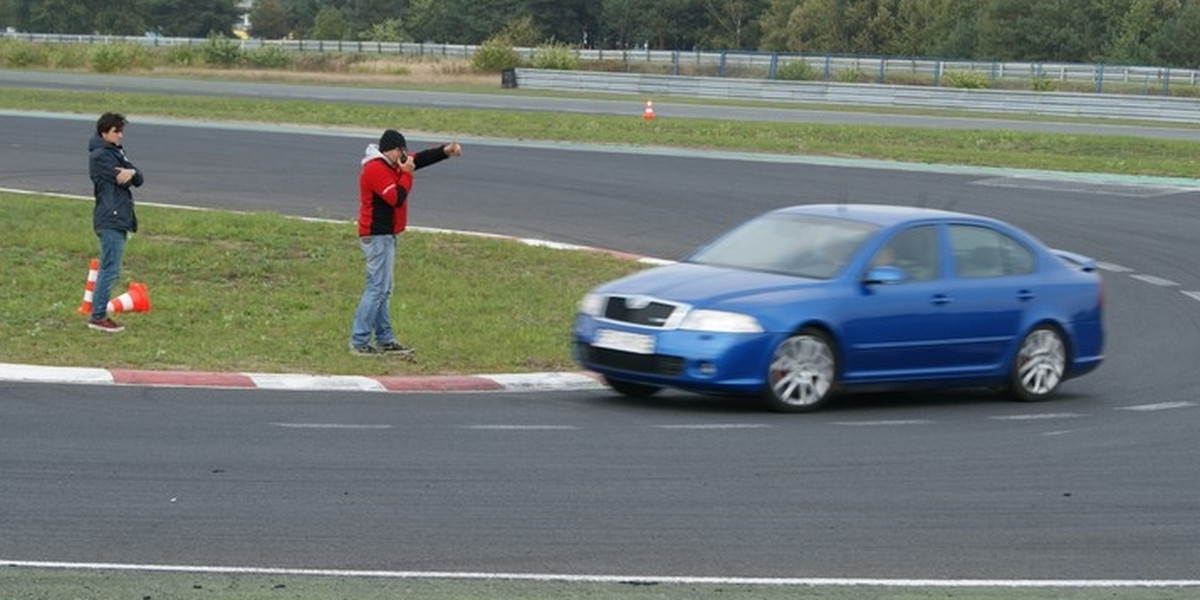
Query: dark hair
110,121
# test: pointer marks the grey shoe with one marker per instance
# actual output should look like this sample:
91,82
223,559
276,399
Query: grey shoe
365,350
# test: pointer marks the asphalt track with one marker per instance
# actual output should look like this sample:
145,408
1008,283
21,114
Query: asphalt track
1099,484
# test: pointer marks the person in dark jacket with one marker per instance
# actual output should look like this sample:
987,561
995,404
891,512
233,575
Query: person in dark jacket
113,218
383,189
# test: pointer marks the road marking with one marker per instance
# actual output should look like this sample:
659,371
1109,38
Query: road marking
1192,295
329,426
1131,190
1158,406
522,427
884,423
1155,280
1037,417
715,426
625,579
1112,267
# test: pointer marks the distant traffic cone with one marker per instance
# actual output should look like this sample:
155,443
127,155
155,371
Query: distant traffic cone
89,287
648,114
137,299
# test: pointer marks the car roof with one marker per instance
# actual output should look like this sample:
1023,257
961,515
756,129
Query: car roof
878,214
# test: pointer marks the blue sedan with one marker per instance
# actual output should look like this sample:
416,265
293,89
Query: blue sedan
800,303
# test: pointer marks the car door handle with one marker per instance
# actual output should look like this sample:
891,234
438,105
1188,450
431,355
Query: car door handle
941,299
1025,295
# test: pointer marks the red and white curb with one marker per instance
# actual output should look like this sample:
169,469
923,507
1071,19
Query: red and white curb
515,382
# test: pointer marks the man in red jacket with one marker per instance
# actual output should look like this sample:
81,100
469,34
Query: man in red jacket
384,185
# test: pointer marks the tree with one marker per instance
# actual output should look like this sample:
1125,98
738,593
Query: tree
1038,30
330,24
193,18
269,20
60,16
773,24
732,23
1177,43
120,17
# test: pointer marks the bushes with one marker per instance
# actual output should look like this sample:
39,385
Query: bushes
494,55
970,80
796,70
107,58
556,56
221,52
268,57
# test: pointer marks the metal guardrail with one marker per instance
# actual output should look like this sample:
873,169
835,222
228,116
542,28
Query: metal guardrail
738,64
1150,108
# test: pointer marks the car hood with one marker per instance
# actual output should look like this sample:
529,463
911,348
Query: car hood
704,285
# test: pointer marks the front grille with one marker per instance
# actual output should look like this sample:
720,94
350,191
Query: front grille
654,364
652,314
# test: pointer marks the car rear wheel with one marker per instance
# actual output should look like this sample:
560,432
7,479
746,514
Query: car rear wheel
1039,365
631,389
802,373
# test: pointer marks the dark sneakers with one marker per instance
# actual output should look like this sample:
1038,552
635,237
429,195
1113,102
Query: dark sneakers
365,350
394,347
106,325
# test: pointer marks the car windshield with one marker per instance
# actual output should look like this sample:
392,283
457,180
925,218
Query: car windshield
800,245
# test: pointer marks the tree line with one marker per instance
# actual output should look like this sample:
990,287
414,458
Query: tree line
1144,32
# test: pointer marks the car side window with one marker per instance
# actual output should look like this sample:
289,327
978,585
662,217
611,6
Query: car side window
985,252
914,251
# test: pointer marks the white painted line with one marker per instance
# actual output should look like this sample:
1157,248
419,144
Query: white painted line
1192,295
1038,417
274,381
643,579
884,423
1107,266
11,372
522,427
1152,280
1158,406
716,426
329,426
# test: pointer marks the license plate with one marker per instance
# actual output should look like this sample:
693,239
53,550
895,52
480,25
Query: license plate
637,343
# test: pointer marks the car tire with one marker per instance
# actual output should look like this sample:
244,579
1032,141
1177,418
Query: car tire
1039,365
631,389
802,374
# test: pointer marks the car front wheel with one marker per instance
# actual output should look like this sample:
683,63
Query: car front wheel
802,373
1039,365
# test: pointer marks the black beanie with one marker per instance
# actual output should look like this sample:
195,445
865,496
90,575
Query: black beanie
390,140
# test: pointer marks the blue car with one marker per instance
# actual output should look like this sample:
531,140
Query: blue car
800,303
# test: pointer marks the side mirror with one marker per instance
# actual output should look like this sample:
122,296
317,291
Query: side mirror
884,276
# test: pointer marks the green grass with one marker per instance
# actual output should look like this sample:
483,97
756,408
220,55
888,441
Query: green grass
265,293
1125,155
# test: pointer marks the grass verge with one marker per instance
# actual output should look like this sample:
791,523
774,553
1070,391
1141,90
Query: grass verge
265,293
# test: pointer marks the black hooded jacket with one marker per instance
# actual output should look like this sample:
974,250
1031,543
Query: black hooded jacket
114,202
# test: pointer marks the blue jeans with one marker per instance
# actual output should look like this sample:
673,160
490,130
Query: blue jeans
372,317
112,249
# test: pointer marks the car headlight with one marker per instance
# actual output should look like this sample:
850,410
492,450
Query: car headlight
720,321
591,304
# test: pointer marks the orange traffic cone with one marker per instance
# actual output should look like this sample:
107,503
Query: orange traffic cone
648,114
137,299
89,287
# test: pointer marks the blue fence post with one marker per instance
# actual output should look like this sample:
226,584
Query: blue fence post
938,67
1100,79
721,64
675,62
882,70
1166,82
828,66
774,65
